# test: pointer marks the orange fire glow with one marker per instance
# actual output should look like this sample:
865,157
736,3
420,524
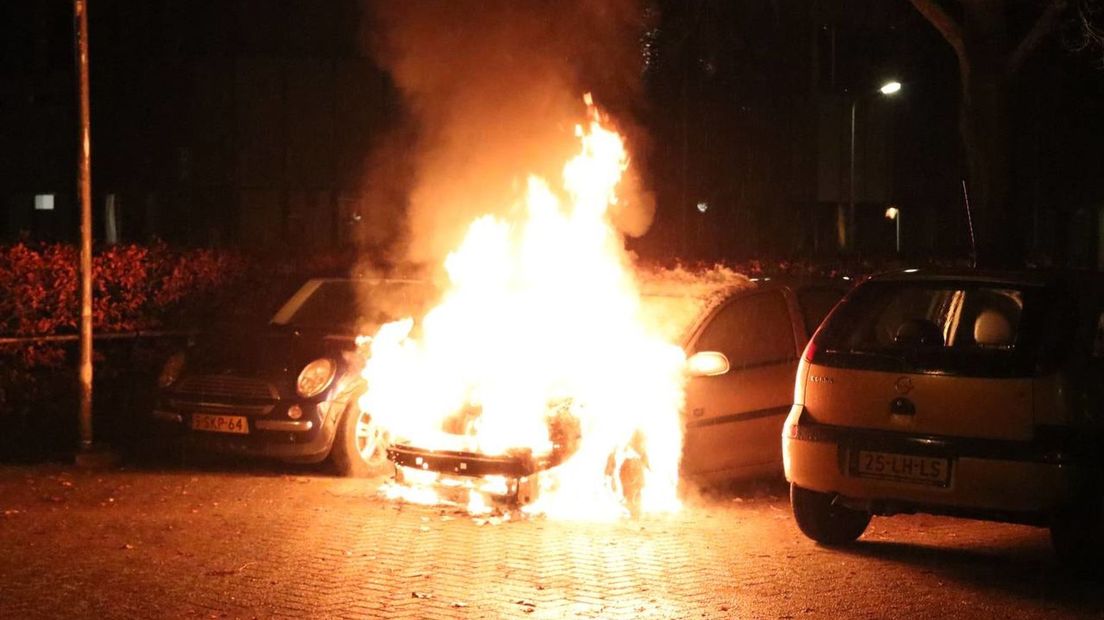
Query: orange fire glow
541,322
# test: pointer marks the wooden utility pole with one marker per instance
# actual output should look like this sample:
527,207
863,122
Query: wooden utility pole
84,182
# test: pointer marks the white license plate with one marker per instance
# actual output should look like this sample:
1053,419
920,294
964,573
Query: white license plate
220,423
910,468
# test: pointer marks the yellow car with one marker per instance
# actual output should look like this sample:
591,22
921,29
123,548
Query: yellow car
962,393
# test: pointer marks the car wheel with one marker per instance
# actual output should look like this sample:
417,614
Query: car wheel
824,522
360,446
1077,533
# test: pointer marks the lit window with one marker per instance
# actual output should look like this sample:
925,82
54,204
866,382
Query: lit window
44,202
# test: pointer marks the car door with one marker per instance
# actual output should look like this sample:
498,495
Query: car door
734,421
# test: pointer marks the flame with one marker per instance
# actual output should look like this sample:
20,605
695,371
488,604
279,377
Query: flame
541,327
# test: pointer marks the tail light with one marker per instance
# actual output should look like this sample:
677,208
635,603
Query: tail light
810,351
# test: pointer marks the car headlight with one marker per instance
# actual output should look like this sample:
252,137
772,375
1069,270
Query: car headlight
315,377
170,372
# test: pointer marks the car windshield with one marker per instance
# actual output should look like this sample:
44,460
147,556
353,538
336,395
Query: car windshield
674,316
964,327
352,306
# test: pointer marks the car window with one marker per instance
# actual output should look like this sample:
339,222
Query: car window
937,317
816,302
936,326
348,305
751,331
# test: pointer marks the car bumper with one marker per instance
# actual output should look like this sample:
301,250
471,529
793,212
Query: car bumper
460,463
308,439
1004,480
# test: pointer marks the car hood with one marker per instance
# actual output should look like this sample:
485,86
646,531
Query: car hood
274,353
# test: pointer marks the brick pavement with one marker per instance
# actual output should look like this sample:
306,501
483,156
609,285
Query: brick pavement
257,544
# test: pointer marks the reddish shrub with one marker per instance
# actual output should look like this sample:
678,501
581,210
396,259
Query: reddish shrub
135,287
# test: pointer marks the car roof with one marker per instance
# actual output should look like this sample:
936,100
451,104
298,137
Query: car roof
1010,277
799,282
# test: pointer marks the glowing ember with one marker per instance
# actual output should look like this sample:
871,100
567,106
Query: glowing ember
539,347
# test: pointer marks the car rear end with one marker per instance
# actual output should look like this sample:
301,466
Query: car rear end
935,393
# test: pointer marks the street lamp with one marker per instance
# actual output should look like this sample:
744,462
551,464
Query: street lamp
893,213
888,89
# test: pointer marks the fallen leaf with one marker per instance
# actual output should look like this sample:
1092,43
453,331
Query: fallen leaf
128,546
420,595
457,604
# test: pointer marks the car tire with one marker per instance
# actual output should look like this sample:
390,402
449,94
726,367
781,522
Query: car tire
824,522
1077,534
360,446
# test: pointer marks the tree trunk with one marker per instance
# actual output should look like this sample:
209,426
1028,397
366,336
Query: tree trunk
987,59
984,125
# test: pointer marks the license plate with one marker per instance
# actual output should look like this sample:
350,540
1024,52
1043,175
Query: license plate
220,423
909,468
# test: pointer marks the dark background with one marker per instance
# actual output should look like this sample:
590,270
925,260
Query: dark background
249,123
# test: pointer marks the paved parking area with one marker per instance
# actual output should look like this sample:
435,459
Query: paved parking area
220,544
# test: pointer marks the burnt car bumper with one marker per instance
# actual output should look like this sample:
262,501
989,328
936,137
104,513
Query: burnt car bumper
508,479
516,464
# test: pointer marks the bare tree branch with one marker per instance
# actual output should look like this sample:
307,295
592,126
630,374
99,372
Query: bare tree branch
1044,25
1086,31
951,31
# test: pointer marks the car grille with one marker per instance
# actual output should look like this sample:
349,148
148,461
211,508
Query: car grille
224,392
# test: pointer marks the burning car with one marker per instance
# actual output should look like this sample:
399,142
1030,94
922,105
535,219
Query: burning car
289,389
544,378
744,342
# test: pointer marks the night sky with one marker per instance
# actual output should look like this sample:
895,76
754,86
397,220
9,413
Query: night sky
259,122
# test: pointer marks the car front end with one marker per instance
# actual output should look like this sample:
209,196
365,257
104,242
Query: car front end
255,413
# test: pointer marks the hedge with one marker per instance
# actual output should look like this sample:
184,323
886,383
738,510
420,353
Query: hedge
135,288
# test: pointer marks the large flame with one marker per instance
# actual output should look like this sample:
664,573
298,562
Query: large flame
542,317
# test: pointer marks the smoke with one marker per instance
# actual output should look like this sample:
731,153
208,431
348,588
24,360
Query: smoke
493,89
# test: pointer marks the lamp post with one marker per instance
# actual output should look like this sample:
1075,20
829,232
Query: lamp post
84,185
88,454
893,213
888,89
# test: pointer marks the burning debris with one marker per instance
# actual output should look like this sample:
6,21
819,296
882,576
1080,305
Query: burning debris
537,378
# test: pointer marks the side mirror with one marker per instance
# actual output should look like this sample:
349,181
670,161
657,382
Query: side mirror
707,364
